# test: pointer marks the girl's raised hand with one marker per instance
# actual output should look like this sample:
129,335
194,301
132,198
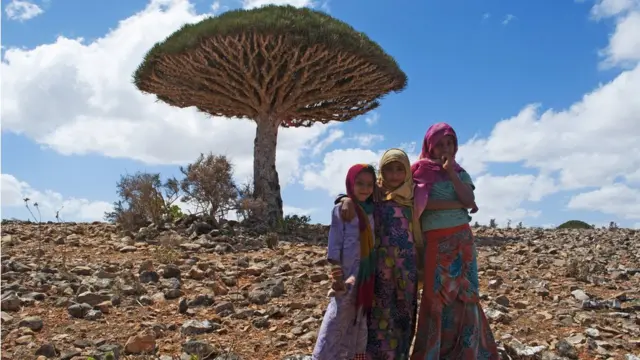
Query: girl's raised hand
449,163
474,208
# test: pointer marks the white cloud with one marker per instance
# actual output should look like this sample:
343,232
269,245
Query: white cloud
366,140
503,197
292,210
372,119
217,7
76,97
508,18
334,135
624,43
616,199
331,174
589,144
486,16
49,202
22,10
609,8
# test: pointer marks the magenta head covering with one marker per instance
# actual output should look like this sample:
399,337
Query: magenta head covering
434,134
426,171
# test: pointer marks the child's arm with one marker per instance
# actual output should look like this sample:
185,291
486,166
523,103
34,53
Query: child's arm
336,238
347,207
464,190
334,252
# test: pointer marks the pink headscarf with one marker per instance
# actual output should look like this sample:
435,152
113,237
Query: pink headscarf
426,171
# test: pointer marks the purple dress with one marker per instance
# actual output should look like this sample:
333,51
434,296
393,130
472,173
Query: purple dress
339,337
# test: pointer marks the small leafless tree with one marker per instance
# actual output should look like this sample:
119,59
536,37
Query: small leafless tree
143,198
208,184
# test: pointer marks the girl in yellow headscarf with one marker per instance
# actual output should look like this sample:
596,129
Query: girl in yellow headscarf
393,316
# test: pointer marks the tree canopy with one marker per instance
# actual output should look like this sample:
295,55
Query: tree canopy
295,64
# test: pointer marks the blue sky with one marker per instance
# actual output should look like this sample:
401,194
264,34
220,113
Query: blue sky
542,98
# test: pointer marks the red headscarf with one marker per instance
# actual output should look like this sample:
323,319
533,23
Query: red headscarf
366,272
425,171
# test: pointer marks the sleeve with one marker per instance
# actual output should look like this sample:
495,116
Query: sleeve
336,237
338,199
466,178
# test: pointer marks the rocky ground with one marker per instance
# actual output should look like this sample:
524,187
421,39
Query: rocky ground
71,291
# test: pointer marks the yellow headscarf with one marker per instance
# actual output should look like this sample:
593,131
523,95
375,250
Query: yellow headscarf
403,195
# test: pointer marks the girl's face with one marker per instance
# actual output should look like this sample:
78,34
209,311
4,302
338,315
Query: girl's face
394,174
446,146
363,186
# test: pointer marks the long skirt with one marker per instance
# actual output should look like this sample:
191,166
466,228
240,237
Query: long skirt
343,333
451,323
392,319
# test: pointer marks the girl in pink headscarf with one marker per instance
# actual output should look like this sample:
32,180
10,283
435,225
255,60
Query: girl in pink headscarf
451,323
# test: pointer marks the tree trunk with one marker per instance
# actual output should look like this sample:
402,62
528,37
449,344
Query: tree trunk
265,177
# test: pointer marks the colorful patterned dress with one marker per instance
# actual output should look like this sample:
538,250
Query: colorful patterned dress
340,337
392,320
451,323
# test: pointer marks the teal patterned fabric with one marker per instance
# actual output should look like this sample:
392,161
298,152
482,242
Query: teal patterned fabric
441,219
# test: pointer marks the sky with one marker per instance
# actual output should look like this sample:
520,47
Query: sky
544,96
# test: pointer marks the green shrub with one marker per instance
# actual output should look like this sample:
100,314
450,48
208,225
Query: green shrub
575,224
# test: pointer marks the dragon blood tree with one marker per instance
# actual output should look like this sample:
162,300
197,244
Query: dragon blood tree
277,65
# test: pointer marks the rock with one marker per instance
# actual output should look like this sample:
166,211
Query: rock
224,307
93,315
516,348
201,300
261,323
6,318
128,249
195,327
580,295
201,349
34,323
82,270
108,351
11,302
566,349
149,277
47,350
141,344
503,300
79,310
70,354
92,299
183,306
171,271
196,274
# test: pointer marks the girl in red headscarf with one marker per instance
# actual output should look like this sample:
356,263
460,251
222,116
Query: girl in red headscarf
451,322
343,333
